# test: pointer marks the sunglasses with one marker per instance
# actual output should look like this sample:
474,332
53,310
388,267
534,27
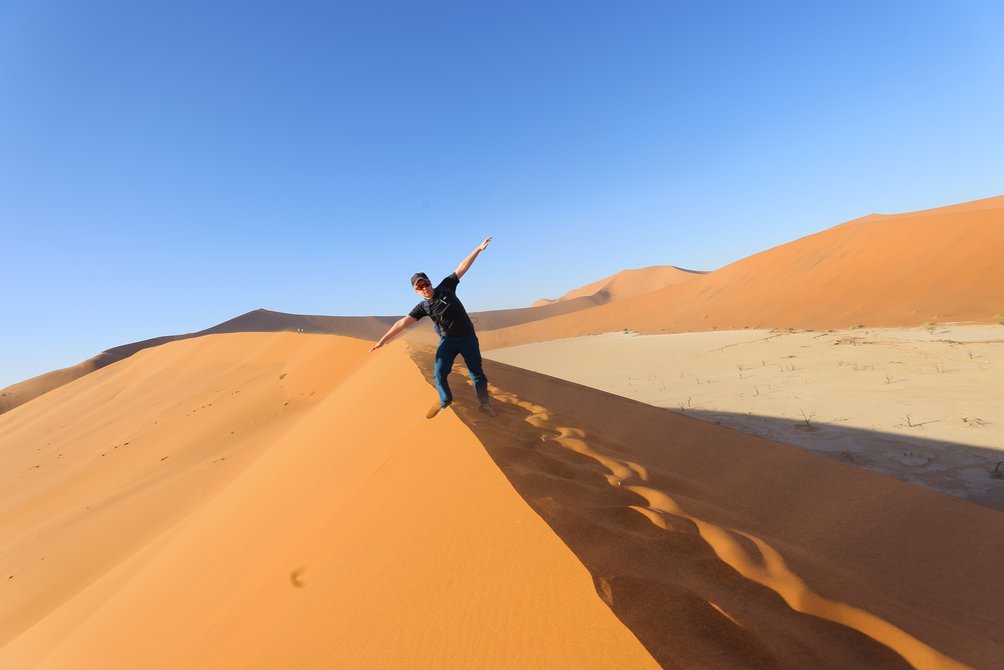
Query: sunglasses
422,285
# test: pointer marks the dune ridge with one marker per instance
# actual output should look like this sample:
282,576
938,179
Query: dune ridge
267,321
280,500
276,500
259,320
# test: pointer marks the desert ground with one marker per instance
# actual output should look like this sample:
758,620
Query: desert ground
920,404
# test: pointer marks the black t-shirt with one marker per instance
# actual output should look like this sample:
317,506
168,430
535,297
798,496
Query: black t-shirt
446,310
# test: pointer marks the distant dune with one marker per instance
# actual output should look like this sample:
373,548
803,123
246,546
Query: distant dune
938,265
628,283
259,320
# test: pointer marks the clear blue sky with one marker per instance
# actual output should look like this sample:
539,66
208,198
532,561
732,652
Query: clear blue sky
165,166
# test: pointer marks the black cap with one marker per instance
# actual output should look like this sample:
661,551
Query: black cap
419,275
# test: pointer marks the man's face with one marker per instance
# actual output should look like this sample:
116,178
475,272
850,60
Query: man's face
423,287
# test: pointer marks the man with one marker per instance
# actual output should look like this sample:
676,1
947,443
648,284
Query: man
455,329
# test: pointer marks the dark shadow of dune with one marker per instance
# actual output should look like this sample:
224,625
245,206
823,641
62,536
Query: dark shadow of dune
969,472
719,549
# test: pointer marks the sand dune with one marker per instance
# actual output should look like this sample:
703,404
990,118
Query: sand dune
939,265
276,500
259,320
279,500
628,283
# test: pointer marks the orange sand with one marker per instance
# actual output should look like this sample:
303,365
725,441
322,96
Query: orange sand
279,500
276,500
628,283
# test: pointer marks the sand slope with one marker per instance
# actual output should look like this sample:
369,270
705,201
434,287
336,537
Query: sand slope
259,320
939,265
279,500
724,550
276,500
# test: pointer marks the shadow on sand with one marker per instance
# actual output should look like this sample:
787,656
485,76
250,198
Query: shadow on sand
719,549
969,472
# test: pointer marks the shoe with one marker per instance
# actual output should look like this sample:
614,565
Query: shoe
487,409
436,410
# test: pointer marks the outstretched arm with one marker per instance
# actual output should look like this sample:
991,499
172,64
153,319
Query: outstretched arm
398,326
465,264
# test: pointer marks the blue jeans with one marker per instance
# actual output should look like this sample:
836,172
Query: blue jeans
446,353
